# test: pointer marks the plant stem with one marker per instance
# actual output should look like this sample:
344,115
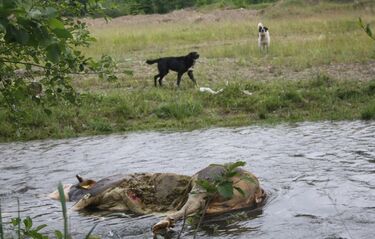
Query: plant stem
22,63
1,224
201,219
18,218
63,207
183,225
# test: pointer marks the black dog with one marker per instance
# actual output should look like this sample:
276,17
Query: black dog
179,64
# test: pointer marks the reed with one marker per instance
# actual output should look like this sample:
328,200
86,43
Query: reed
1,224
64,211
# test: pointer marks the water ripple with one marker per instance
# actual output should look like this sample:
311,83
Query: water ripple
320,177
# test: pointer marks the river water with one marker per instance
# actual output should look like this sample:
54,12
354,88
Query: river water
320,178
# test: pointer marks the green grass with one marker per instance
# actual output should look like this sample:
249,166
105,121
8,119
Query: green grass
315,70
320,98
319,34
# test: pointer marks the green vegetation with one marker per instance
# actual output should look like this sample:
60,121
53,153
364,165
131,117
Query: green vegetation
320,98
115,8
39,52
222,186
24,228
318,68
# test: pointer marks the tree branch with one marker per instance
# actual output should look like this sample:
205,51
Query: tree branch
22,63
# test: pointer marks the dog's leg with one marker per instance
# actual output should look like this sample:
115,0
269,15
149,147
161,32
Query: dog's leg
191,76
155,79
161,80
179,77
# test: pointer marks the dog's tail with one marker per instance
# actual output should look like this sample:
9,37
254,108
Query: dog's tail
260,25
150,62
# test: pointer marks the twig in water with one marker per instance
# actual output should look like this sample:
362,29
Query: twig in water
18,218
201,219
183,225
92,229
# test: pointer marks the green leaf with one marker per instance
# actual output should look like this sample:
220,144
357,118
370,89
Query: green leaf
240,191
14,34
50,12
226,189
15,221
40,227
35,13
360,22
58,234
28,223
36,235
63,207
2,28
206,185
53,52
368,30
232,174
249,179
56,24
233,166
62,33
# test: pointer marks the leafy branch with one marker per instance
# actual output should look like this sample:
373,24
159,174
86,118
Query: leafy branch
366,28
222,185
46,35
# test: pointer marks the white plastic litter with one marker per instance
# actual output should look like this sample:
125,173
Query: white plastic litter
246,92
209,90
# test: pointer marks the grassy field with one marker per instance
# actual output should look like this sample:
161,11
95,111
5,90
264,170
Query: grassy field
321,66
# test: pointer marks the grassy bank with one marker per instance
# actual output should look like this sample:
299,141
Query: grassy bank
320,67
320,98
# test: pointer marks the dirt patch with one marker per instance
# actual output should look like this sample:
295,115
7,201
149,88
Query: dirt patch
211,72
187,16
340,71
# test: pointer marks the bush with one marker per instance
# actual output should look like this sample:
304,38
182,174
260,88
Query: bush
115,8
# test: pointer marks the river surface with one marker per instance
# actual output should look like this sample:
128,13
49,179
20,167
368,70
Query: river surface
320,178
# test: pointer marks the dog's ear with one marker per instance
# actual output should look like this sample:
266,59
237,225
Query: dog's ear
193,55
260,29
266,28
80,179
87,184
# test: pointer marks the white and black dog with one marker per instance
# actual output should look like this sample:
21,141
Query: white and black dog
263,37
